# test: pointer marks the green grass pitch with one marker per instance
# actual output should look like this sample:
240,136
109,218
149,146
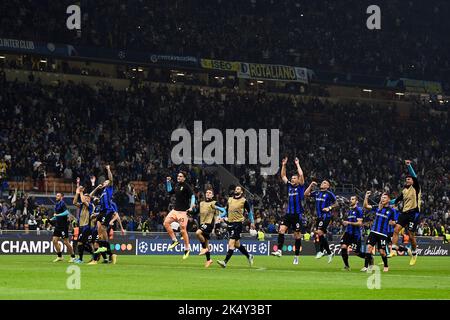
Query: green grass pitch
271,278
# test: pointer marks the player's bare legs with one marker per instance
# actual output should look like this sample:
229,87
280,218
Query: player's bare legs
199,235
69,246
185,235
203,241
205,247
395,239
167,221
57,246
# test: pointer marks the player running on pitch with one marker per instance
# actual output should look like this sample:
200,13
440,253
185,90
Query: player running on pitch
294,210
61,230
409,216
184,203
235,209
325,202
379,232
208,216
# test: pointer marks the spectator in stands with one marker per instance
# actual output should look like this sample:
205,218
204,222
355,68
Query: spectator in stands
131,193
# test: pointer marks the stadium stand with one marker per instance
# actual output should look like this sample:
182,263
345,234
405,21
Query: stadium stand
291,32
57,133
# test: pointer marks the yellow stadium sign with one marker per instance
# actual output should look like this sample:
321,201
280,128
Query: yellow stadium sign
220,65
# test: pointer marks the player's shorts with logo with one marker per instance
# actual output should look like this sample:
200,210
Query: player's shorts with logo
93,237
377,239
85,232
105,217
390,234
207,229
179,216
234,230
353,241
409,220
322,224
61,232
293,222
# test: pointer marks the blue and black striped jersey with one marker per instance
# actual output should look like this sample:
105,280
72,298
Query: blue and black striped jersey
352,216
106,199
60,207
295,198
323,199
382,218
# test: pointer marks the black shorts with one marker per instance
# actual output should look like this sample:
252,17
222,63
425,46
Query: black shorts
390,234
378,240
105,218
409,220
322,224
234,230
207,229
293,222
93,237
61,232
85,232
352,241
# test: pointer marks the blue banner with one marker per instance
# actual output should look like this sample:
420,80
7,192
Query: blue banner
27,47
98,54
216,247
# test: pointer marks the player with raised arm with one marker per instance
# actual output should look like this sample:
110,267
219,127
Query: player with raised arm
378,236
236,207
410,214
294,211
61,230
106,212
208,216
325,202
94,230
184,203
86,208
352,235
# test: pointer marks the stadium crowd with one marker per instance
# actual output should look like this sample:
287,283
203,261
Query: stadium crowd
73,130
288,32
